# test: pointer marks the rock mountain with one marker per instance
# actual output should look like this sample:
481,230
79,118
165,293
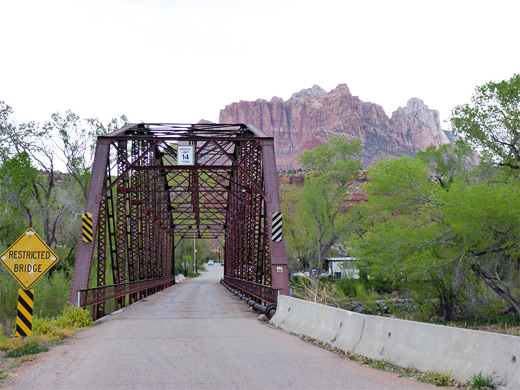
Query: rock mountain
311,115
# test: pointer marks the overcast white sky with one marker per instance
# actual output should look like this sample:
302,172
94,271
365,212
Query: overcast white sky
182,61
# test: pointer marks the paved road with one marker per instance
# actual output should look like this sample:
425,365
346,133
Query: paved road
195,335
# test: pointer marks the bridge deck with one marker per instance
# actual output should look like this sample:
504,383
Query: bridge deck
195,335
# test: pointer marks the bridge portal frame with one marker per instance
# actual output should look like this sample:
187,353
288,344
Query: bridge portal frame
142,203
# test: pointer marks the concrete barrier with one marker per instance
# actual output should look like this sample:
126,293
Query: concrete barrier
427,347
179,278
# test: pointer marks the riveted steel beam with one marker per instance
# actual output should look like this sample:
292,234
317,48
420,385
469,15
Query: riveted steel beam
143,201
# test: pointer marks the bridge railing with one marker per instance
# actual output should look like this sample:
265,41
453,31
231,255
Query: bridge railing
98,295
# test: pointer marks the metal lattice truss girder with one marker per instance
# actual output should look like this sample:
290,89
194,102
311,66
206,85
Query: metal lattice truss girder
143,202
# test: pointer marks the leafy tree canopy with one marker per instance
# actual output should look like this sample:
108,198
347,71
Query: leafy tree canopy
491,122
439,223
322,202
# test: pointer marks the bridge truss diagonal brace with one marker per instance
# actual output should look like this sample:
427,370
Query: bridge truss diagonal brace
239,165
129,166
85,252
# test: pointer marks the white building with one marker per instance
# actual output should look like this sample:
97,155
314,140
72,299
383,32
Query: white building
343,267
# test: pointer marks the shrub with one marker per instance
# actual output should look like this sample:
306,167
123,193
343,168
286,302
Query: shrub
71,318
4,342
298,280
179,268
8,300
348,286
74,317
322,291
365,295
51,294
41,325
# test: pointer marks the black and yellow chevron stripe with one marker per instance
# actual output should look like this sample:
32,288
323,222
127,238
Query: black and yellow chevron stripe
87,227
277,232
25,310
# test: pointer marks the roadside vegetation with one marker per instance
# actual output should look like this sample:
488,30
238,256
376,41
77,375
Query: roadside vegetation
44,176
438,378
438,239
46,332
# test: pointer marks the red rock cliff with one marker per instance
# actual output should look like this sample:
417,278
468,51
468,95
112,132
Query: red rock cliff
312,115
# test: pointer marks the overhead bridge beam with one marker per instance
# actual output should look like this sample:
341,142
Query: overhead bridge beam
143,200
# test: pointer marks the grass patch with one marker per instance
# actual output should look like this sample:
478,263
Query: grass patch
48,331
193,275
31,348
377,364
45,333
410,371
480,381
437,378
434,377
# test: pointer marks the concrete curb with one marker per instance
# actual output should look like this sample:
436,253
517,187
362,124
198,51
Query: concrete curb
427,347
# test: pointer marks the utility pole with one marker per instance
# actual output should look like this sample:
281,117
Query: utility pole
195,255
185,267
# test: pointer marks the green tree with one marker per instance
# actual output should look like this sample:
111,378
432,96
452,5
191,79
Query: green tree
296,227
491,122
49,198
77,142
29,139
445,230
448,161
485,230
402,232
16,202
324,198
7,128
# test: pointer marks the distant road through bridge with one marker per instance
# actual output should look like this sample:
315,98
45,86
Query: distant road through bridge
154,184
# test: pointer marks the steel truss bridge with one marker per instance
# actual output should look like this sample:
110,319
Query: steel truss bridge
143,201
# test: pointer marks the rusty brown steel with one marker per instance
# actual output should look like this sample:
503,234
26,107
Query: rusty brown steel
263,293
143,202
98,295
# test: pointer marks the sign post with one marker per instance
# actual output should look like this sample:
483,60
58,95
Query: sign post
28,259
25,311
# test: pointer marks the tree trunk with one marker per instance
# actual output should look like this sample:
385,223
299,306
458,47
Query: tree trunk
501,292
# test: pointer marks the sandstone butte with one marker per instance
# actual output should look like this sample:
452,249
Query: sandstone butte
312,115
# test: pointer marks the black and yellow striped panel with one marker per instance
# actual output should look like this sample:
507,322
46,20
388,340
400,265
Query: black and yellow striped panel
25,310
87,227
277,232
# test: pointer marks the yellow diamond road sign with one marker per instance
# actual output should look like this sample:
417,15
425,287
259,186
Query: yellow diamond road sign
28,259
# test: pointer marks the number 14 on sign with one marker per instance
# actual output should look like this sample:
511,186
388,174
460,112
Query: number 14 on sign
185,154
